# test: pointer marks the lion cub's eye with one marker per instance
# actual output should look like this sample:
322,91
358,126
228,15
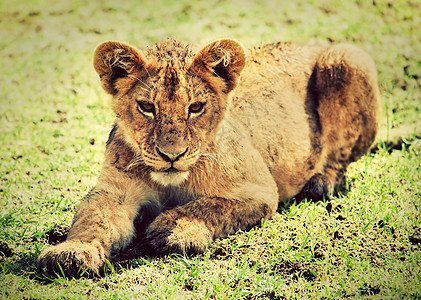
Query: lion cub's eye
196,107
146,107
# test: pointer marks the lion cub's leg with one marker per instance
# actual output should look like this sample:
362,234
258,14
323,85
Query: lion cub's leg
189,228
348,100
103,222
316,189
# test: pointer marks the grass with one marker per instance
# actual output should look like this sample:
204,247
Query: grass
55,119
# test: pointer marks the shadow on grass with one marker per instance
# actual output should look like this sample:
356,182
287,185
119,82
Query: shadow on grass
400,144
341,190
23,265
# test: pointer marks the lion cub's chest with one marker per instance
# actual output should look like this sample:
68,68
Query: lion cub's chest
171,196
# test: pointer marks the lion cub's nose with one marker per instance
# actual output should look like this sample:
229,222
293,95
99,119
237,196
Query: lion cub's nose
171,155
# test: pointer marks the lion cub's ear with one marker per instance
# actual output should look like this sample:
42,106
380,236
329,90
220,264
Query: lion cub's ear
224,58
117,65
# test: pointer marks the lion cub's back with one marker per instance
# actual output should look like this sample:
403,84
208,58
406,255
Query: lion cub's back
272,102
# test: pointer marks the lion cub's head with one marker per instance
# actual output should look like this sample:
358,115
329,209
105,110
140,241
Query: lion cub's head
168,101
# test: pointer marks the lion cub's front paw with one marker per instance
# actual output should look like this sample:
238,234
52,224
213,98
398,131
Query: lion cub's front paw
73,259
169,233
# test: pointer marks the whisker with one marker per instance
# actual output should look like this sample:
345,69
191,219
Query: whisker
141,81
153,84
208,157
137,160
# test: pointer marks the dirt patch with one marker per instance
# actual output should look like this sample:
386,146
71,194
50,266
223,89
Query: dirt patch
415,238
290,268
5,250
271,295
369,290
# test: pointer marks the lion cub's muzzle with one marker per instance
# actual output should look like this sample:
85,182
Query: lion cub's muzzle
174,167
171,156
173,159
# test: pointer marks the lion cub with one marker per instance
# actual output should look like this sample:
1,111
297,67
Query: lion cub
206,143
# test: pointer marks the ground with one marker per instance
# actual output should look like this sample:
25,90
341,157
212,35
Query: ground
55,118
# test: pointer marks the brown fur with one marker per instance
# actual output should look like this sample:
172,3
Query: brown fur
197,154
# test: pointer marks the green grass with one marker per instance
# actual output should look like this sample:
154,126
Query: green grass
55,118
